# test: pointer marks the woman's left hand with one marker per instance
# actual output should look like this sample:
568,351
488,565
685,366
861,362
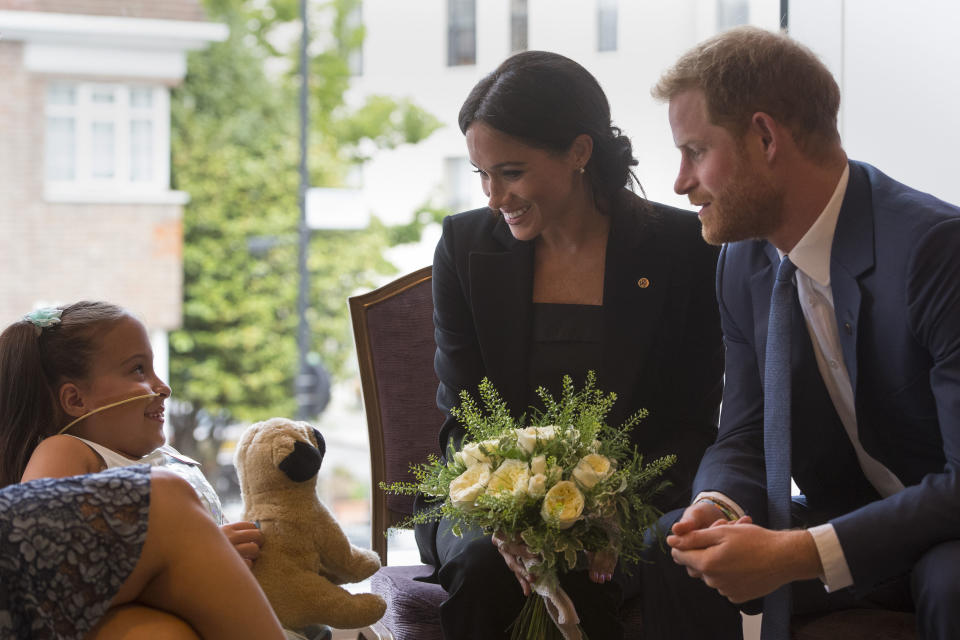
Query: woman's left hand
601,565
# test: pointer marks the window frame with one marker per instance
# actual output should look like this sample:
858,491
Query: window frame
461,21
121,113
608,11
519,26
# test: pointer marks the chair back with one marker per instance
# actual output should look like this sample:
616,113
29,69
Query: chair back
393,329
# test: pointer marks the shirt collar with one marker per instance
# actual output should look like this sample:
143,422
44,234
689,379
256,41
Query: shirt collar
812,253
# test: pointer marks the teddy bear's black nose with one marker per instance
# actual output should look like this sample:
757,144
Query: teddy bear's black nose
302,463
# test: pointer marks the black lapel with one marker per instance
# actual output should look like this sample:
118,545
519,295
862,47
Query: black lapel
501,295
637,278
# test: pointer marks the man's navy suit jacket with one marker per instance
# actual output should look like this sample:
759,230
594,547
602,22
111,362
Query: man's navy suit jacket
895,277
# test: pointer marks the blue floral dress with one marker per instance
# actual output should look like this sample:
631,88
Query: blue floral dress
66,546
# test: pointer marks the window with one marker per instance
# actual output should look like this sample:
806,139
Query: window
731,13
518,25
106,136
607,25
462,186
461,32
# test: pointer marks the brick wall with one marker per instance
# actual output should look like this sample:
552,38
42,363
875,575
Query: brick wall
160,9
127,254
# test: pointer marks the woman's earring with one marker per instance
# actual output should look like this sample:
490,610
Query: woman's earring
581,170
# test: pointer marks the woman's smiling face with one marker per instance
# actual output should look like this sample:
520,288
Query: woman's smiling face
532,188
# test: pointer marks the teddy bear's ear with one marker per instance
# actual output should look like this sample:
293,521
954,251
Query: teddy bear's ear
321,444
302,463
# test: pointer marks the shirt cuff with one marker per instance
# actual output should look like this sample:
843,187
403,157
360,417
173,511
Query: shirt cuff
716,495
836,573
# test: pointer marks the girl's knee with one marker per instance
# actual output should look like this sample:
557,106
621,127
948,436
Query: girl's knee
167,483
138,622
170,492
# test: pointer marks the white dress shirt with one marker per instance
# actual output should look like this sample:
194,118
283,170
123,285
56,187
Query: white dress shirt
811,255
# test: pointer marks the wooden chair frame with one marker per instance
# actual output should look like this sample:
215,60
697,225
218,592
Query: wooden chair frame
382,517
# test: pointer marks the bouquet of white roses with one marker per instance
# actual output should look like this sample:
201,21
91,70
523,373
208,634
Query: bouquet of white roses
564,484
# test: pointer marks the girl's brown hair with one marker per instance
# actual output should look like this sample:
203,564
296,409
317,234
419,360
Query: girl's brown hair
34,362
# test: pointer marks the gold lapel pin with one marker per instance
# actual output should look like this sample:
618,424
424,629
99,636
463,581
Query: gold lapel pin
643,283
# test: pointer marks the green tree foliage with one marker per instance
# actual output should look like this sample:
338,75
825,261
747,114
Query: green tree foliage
235,150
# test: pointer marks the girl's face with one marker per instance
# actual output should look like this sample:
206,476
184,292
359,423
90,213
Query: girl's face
122,368
533,189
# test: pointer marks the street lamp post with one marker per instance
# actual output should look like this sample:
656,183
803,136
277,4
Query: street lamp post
304,377
320,208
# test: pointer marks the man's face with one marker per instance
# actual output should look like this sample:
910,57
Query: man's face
737,195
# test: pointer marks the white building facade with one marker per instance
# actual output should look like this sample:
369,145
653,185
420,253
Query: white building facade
434,51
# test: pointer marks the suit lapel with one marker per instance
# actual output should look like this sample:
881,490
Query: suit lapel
761,287
501,295
637,277
852,255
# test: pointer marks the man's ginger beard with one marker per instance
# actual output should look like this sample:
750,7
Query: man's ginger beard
748,206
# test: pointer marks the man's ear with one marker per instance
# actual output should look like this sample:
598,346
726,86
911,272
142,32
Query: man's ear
769,133
71,400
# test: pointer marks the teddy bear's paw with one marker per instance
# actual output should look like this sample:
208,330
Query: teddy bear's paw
361,564
368,563
361,610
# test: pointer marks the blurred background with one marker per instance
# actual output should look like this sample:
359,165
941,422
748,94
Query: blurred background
150,156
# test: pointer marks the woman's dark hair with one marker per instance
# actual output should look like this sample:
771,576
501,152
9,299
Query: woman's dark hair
546,100
34,362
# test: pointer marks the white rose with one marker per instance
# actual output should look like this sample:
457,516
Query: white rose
591,469
538,464
527,438
563,504
537,485
469,485
512,476
473,452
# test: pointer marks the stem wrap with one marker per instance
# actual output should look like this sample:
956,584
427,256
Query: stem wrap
559,605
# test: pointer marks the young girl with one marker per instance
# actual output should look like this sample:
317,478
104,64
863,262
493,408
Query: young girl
112,547
78,394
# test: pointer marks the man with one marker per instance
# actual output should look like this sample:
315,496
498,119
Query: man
874,353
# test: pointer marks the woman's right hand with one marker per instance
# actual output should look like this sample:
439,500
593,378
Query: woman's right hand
514,553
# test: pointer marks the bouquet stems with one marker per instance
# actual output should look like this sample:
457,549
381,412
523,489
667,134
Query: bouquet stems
535,623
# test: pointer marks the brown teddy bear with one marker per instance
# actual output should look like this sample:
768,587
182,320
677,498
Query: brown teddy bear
305,555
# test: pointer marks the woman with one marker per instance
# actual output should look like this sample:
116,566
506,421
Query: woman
568,271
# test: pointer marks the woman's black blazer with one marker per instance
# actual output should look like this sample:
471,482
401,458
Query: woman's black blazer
662,346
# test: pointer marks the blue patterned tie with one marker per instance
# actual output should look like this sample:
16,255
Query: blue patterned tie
776,436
